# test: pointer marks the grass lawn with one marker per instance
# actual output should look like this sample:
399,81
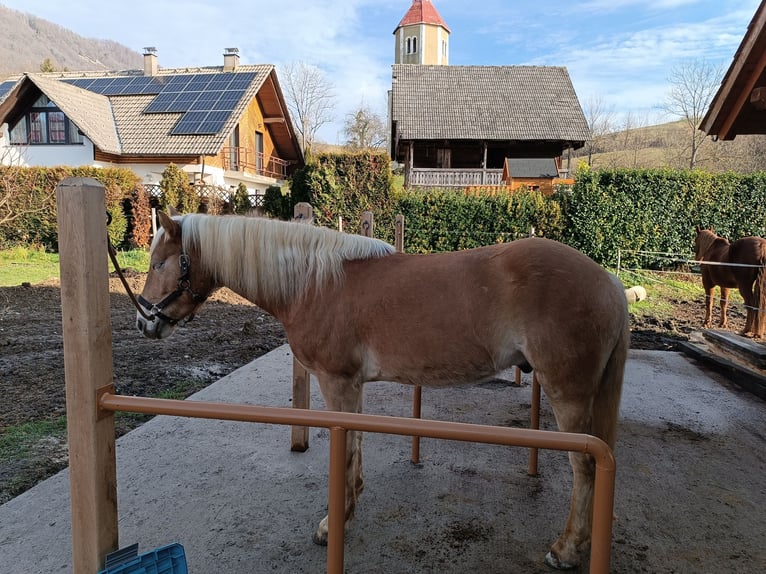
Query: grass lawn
29,265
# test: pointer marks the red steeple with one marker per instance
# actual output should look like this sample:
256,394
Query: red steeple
422,12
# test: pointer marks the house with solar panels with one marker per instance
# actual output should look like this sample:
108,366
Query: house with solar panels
222,125
456,126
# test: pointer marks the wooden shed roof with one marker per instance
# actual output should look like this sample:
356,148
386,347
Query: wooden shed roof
501,103
732,112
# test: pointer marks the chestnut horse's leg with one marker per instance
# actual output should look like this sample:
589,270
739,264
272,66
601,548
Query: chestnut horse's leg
341,394
709,287
575,415
750,308
724,322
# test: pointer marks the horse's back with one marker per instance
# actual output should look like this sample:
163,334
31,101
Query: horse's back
452,316
748,250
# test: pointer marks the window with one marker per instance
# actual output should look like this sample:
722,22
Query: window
259,151
45,124
234,150
412,45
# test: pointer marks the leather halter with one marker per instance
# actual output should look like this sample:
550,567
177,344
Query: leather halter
184,286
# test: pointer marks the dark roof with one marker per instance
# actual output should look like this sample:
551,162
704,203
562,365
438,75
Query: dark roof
175,112
422,12
731,113
501,103
534,167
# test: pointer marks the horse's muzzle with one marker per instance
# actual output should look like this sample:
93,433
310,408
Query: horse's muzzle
157,329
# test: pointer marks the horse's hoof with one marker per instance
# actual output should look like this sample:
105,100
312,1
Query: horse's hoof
320,539
552,561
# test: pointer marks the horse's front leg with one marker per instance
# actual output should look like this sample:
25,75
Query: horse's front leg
724,322
344,395
709,306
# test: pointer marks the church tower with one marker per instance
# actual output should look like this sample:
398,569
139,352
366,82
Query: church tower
422,37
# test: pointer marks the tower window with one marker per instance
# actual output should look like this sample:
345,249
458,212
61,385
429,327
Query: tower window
412,45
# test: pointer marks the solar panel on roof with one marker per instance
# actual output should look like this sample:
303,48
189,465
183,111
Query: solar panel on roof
200,123
5,87
207,127
206,100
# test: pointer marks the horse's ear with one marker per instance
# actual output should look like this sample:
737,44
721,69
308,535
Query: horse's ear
170,225
173,211
697,228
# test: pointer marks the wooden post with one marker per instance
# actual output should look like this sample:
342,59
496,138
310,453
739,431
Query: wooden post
367,227
299,437
534,424
399,233
87,333
417,390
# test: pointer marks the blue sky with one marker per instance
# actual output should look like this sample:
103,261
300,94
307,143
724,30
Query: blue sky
619,51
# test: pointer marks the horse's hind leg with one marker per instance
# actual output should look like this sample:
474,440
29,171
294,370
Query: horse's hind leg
344,395
574,414
750,308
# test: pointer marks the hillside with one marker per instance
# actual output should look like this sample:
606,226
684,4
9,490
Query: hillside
667,145
26,41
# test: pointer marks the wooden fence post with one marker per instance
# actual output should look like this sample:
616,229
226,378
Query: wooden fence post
399,233
87,333
368,224
299,437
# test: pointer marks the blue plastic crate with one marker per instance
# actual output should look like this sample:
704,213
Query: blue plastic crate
170,559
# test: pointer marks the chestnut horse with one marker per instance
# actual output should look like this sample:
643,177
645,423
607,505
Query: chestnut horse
741,265
355,311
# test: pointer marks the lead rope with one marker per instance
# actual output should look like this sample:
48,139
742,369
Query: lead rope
118,270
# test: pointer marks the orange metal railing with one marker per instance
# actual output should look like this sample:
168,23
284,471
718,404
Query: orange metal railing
340,423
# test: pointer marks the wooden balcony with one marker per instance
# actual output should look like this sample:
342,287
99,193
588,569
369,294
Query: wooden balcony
434,177
243,159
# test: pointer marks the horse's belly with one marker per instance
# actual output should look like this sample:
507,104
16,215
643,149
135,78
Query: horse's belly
437,371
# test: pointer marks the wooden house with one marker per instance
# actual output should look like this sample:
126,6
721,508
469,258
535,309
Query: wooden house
457,125
222,125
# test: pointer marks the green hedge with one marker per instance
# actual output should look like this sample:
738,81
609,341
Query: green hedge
31,193
605,212
345,185
446,220
624,210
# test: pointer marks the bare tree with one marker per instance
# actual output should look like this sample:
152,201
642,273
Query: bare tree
600,122
310,98
364,129
692,87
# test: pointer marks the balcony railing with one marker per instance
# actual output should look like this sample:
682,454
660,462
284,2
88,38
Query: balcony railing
422,177
243,159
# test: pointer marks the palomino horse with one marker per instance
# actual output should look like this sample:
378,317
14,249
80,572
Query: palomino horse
742,266
355,311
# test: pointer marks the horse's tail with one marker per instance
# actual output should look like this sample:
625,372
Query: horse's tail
606,405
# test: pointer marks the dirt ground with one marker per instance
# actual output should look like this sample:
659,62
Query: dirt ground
228,333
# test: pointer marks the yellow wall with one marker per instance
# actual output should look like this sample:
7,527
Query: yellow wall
251,121
430,39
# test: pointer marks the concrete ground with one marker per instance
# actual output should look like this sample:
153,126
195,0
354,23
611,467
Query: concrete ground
691,484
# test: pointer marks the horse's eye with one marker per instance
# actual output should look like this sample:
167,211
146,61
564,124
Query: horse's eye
157,266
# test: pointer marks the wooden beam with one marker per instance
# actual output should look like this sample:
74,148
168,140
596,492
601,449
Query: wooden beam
87,333
274,120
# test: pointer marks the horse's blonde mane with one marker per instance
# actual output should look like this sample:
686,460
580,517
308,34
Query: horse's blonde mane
274,261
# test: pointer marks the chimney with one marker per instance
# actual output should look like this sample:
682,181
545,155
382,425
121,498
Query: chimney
230,59
150,61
